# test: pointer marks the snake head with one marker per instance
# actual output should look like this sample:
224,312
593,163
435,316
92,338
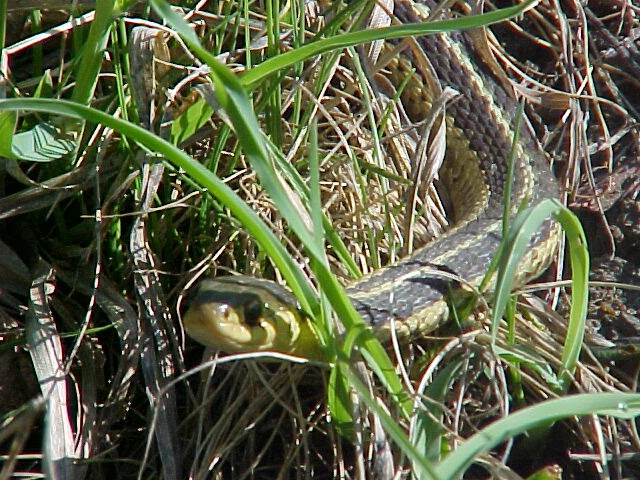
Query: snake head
244,314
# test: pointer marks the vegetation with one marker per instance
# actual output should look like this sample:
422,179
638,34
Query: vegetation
148,145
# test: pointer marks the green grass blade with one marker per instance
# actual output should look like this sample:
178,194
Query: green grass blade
392,427
523,227
262,234
93,51
235,102
427,428
351,39
579,255
619,405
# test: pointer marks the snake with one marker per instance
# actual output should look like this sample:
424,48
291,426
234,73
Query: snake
243,314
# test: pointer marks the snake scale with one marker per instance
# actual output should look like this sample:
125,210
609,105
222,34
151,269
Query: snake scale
244,314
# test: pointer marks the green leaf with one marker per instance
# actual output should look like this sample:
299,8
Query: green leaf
45,86
523,227
620,405
196,171
426,427
550,472
339,401
517,357
8,121
393,427
190,121
233,99
43,143
337,42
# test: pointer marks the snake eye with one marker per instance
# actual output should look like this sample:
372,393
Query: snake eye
225,311
253,312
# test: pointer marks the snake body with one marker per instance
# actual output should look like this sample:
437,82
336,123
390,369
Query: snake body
410,295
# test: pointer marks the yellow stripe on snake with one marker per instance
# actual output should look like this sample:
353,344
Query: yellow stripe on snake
237,314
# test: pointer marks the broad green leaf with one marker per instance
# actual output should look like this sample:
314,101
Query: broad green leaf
190,121
43,143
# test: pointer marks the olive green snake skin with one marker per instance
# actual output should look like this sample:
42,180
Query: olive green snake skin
237,314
